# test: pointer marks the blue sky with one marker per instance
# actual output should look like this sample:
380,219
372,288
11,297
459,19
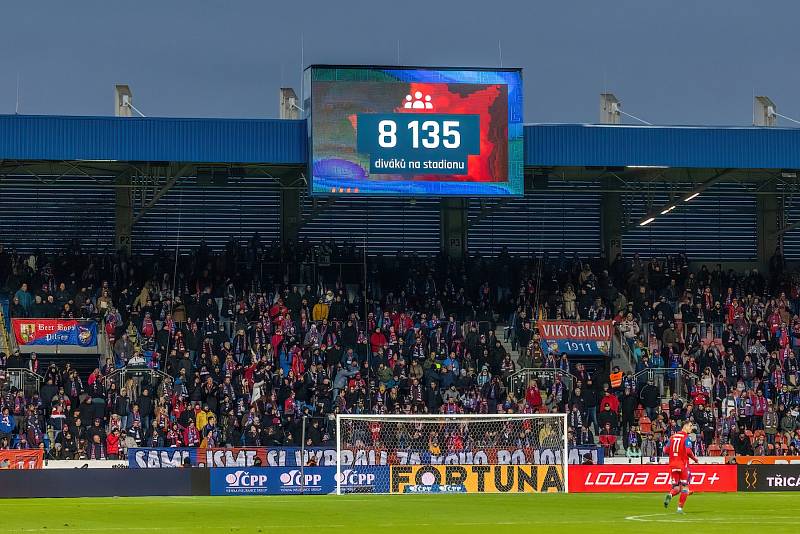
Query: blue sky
670,62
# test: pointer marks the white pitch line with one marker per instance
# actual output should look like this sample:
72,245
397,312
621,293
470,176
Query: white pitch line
675,518
78,528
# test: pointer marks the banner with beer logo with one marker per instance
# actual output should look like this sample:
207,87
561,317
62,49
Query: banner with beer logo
582,338
55,332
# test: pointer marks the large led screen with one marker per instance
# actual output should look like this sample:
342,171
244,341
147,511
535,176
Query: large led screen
414,131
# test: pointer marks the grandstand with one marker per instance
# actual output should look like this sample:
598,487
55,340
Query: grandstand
646,276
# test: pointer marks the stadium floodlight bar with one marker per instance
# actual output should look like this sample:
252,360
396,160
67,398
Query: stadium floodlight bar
691,195
669,209
549,432
646,167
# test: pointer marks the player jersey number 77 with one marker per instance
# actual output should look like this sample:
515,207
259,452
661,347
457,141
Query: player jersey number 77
679,449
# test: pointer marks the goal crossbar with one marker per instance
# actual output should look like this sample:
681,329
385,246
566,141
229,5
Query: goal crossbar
452,418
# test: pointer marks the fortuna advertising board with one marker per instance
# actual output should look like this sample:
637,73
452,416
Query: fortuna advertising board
476,478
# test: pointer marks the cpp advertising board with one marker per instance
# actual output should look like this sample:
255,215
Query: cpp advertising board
297,481
412,131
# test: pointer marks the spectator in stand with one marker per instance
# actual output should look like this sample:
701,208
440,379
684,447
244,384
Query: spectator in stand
235,339
24,299
533,396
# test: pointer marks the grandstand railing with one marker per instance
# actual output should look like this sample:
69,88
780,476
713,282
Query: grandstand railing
707,331
668,381
544,376
22,379
621,349
135,379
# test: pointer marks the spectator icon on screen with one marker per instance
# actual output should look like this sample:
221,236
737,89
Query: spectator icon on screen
417,101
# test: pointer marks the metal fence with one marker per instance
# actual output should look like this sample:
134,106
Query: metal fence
22,379
544,376
668,381
135,379
707,331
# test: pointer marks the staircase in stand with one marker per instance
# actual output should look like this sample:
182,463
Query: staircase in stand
5,340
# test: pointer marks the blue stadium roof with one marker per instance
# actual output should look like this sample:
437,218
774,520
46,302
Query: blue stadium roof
578,145
273,141
60,138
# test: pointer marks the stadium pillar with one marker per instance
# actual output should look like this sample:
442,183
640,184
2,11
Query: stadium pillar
123,212
768,209
290,214
454,227
611,222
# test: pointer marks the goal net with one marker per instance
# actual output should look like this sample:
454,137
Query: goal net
508,453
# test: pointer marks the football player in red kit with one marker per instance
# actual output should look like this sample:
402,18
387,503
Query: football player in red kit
679,450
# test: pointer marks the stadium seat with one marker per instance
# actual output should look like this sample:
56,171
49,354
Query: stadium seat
714,450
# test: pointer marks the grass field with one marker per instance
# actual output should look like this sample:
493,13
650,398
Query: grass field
729,513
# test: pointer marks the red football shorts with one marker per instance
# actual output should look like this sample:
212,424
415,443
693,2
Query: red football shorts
680,475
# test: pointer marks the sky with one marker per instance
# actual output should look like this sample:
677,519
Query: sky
669,62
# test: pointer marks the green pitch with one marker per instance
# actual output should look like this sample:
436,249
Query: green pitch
405,514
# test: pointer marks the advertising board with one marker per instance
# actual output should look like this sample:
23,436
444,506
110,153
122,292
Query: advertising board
476,478
647,478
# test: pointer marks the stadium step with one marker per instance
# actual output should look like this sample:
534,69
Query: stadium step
5,340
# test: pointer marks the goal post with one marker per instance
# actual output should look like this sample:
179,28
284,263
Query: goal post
440,453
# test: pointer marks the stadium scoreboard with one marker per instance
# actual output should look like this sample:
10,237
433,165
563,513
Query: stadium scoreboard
412,131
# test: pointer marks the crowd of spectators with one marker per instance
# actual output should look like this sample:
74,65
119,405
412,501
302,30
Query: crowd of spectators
714,347
246,353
